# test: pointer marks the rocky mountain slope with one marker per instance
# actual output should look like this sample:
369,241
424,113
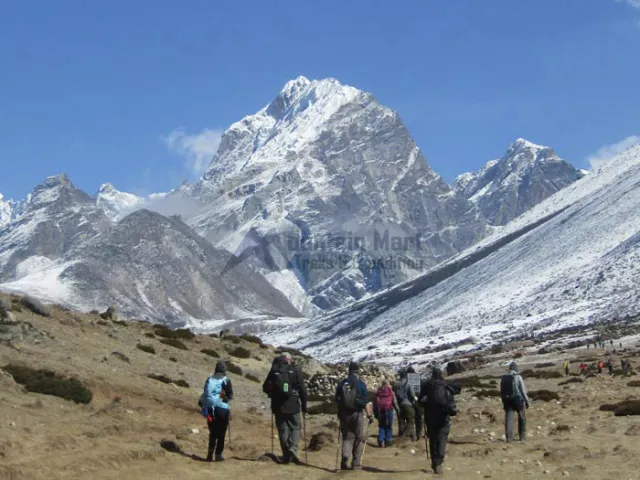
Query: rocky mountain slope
506,188
325,160
573,259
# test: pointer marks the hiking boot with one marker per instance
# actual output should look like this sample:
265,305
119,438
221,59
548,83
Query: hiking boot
437,469
295,459
210,457
356,467
219,458
389,444
285,460
380,444
344,465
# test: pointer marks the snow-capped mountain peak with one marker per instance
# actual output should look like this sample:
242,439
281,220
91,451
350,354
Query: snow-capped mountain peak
115,202
6,210
527,174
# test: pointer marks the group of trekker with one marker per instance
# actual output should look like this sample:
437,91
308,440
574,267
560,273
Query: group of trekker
416,401
600,365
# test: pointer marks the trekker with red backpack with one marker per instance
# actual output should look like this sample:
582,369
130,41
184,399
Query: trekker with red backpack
384,404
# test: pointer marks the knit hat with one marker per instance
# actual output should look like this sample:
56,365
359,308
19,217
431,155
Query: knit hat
436,373
221,367
513,366
354,367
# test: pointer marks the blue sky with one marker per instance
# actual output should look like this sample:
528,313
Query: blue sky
135,93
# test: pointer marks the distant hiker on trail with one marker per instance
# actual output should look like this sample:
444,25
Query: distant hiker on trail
436,397
215,407
286,388
610,366
566,368
384,404
416,383
588,345
407,400
583,368
352,398
514,399
600,366
611,342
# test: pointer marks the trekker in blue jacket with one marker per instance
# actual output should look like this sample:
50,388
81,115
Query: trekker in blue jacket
215,405
352,398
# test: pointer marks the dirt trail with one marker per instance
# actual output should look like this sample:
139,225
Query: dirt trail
119,434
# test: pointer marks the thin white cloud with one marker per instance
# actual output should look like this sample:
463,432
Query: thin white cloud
606,153
197,150
631,3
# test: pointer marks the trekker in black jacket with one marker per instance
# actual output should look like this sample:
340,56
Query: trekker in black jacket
285,386
436,397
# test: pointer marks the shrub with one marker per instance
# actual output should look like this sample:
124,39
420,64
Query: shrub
233,368
634,383
262,345
622,409
166,332
545,365
165,379
94,312
543,374
571,380
213,335
150,335
173,359
329,408
232,338
487,394
251,338
210,352
293,352
102,323
544,395
175,343
240,352
495,349
49,383
253,378
122,323
518,355
469,382
561,428
146,348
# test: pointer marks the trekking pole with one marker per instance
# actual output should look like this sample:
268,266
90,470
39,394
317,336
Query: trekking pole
426,445
304,438
272,452
229,426
366,435
338,450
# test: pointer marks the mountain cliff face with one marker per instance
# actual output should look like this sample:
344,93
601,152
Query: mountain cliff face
54,218
6,211
571,260
325,161
526,175
155,267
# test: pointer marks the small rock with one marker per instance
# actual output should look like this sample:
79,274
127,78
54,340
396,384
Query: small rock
12,424
521,462
413,452
538,463
130,412
195,431
565,474
35,306
546,472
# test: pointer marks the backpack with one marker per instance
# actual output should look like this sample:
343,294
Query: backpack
440,398
384,399
282,383
401,391
213,389
414,381
508,389
351,399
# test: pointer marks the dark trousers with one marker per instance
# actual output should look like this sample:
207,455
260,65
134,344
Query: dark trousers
419,421
217,431
438,428
510,408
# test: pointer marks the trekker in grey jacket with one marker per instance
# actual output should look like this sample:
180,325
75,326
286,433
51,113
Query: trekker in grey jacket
518,403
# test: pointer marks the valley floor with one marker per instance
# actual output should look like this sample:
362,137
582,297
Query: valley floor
119,434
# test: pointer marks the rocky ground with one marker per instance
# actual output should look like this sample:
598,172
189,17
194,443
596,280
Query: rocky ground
132,424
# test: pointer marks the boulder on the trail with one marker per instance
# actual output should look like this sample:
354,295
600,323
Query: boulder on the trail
320,440
5,313
35,306
111,314
455,367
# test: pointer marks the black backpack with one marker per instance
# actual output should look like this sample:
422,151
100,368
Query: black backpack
508,390
351,400
283,387
440,398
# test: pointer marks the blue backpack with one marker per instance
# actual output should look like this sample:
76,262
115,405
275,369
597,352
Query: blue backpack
214,395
